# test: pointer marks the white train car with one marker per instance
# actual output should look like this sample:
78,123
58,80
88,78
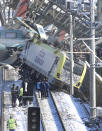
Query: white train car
53,64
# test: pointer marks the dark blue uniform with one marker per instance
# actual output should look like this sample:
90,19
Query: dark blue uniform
14,93
38,88
47,86
42,89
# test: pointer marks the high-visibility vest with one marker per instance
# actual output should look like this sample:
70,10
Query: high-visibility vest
11,124
21,92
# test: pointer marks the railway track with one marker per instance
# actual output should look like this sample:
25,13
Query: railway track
69,120
49,114
59,112
72,111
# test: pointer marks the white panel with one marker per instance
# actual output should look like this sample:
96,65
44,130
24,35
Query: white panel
11,35
11,75
40,58
41,31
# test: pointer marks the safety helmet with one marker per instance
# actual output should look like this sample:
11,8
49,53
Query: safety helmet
11,116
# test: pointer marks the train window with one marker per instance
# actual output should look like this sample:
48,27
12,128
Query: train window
78,84
10,35
58,75
77,68
56,61
67,64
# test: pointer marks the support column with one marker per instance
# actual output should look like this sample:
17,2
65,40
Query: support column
71,57
92,67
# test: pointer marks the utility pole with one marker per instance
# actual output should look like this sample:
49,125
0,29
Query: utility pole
92,67
71,57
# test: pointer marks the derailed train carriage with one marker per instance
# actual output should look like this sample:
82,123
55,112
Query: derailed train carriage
52,63
49,61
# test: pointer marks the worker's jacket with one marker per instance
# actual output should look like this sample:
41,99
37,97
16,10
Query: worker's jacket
21,92
38,85
11,124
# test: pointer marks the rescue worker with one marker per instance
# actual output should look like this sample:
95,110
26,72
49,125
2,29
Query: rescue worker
30,90
12,88
17,91
23,84
47,86
42,89
26,84
14,95
11,124
21,96
17,96
25,92
38,88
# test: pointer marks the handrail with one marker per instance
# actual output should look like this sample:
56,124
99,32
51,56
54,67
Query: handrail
79,83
